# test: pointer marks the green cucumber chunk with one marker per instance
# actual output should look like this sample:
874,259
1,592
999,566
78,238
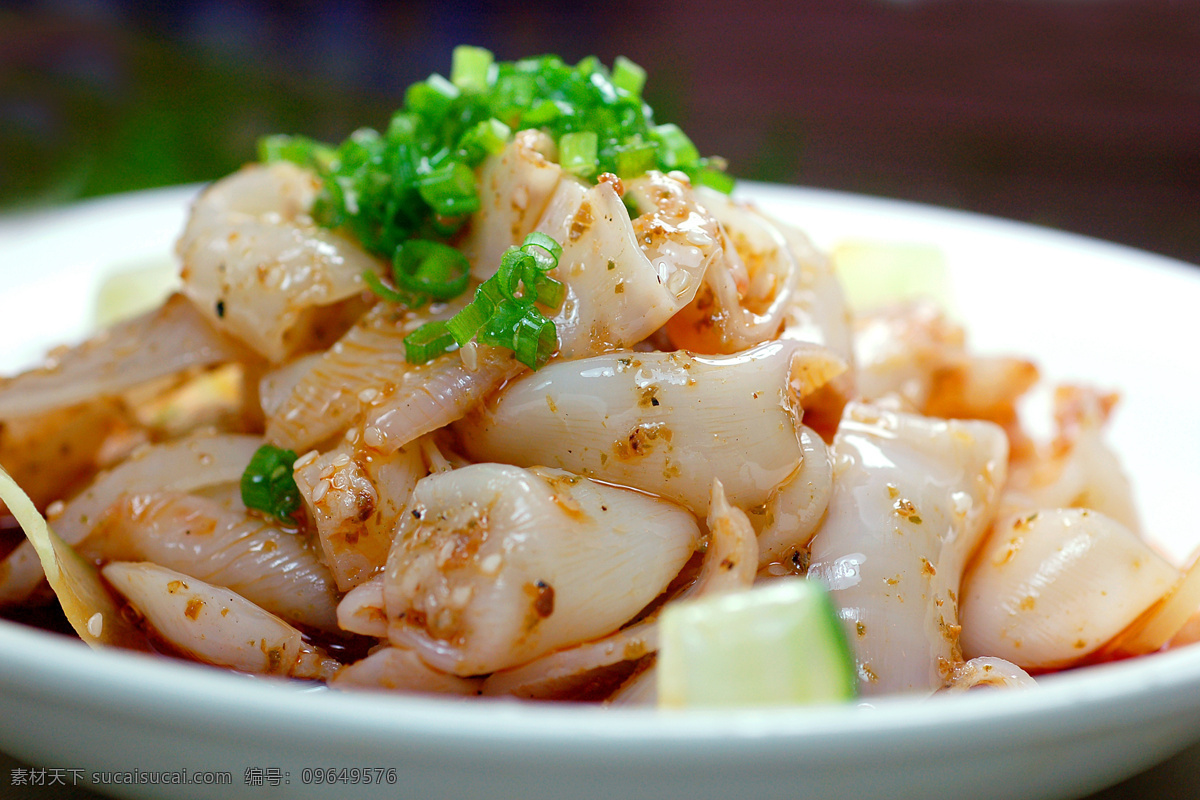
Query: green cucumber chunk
780,644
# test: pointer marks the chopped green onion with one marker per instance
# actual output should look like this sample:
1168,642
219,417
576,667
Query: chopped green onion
268,484
520,327
546,112
714,179
428,342
628,76
470,67
636,159
485,139
589,65
513,265
402,128
465,324
431,269
503,312
417,178
385,292
675,148
432,98
548,291
543,247
577,153
450,189
296,149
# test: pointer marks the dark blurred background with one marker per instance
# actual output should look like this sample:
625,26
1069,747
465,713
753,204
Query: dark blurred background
1082,115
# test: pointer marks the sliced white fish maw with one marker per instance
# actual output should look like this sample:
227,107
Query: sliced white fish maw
162,342
256,264
505,564
210,623
514,187
666,423
219,542
622,286
184,465
911,499
399,670
1050,587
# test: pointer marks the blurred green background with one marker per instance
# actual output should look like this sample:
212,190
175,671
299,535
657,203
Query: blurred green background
1078,114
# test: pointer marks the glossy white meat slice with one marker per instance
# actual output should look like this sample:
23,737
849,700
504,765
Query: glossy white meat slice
499,565
912,497
258,267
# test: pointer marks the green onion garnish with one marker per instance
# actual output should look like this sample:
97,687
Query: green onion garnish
577,153
635,158
504,311
469,68
431,269
268,484
428,342
675,150
417,179
628,76
449,189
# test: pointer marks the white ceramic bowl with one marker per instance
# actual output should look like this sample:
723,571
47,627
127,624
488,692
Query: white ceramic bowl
1085,310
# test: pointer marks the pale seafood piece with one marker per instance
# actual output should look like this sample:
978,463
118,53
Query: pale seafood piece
397,669
983,387
818,311
733,559
435,394
748,286
498,565
184,465
1051,586
355,498
625,278
1077,469
258,267
515,185
1165,623
276,385
215,539
322,395
899,348
210,623
52,454
795,508
912,497
665,423
988,671
314,664
640,689
363,610
588,670
163,342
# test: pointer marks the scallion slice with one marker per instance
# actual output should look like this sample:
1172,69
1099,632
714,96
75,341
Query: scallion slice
628,76
431,269
385,292
470,67
428,342
635,158
675,150
450,189
504,311
268,484
577,153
